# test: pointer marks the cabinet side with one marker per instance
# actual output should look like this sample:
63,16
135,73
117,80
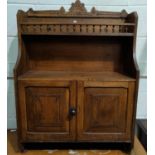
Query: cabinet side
133,17
17,71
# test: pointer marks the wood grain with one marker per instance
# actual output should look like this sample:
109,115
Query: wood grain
71,75
38,121
104,112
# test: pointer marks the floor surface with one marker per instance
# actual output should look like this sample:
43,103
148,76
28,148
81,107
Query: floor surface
13,149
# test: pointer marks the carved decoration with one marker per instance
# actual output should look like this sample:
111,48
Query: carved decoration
76,9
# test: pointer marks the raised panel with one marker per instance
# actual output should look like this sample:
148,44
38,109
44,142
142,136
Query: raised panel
44,110
47,109
105,110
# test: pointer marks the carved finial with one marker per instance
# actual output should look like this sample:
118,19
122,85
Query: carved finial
124,13
30,10
21,13
62,10
93,11
77,8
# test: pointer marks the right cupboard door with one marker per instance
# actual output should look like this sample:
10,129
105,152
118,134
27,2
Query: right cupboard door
105,111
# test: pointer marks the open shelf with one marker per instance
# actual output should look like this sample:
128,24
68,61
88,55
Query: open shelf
70,75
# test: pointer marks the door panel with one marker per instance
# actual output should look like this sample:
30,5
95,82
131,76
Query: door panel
45,109
104,109
103,112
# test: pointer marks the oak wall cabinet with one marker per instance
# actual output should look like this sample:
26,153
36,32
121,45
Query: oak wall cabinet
76,76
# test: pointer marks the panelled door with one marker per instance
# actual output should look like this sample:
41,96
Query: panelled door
46,110
104,111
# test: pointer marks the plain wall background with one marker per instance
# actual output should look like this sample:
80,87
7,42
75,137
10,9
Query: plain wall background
106,5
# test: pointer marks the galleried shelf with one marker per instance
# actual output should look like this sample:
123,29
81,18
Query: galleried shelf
76,76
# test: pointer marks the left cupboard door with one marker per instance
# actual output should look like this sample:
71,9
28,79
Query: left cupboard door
43,110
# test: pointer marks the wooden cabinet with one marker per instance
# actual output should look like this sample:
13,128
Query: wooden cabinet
76,76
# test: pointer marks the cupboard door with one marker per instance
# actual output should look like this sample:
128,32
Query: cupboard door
103,113
45,108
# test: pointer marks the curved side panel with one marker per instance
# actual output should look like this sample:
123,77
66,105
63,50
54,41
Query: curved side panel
19,66
133,17
18,69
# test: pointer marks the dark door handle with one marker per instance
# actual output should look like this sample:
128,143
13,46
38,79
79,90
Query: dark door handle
72,111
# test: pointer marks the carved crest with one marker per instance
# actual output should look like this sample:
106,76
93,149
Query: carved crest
76,9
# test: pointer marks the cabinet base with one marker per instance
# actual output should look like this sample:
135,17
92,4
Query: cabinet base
77,146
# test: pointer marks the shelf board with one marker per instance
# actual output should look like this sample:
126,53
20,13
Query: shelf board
68,75
81,34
